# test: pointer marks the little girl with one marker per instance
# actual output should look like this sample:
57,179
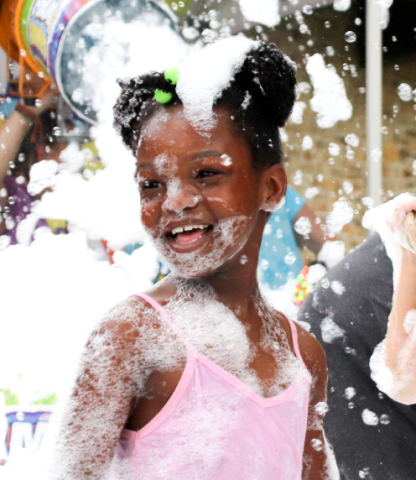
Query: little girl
200,378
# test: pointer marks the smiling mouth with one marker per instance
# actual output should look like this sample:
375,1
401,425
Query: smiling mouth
188,234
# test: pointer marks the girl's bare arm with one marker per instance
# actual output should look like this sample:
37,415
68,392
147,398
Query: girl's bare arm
318,459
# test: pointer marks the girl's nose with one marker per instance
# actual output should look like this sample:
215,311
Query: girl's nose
180,197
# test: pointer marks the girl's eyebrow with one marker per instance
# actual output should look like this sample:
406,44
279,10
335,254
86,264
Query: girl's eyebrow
145,165
195,156
208,153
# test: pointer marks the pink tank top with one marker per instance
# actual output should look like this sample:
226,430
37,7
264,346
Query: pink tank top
214,427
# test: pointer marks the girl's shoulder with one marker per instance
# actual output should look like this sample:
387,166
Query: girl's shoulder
127,321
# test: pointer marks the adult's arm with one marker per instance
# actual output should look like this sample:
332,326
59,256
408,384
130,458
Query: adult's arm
401,331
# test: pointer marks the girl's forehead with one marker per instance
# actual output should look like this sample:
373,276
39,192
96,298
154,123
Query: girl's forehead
169,132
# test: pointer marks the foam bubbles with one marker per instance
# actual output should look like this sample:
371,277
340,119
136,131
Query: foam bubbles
303,227
404,91
369,417
205,74
330,100
307,143
330,330
42,176
265,12
342,214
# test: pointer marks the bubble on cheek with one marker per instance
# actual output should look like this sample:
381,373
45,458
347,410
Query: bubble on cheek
272,206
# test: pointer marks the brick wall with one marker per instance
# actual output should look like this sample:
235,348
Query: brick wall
319,169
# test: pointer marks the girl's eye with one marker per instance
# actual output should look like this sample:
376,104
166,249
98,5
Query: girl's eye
207,173
150,184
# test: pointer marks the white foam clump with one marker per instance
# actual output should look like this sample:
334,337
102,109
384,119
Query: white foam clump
108,205
272,206
331,252
337,287
369,417
296,116
204,74
65,288
330,330
342,5
307,143
282,298
265,12
311,192
342,214
330,100
42,176
352,139
303,227
404,91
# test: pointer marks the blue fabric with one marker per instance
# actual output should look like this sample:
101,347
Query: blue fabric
279,259
7,105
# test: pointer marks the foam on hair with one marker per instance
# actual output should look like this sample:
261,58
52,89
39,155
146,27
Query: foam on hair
255,81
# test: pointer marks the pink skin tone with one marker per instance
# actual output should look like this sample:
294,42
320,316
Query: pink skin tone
401,345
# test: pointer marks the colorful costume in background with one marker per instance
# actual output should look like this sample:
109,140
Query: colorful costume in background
20,203
279,259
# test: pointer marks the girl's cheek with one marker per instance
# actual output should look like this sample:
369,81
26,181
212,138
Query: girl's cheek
148,210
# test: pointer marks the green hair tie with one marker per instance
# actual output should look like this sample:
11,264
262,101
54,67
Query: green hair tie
162,97
172,75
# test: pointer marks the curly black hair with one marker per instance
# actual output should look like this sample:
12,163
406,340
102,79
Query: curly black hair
260,96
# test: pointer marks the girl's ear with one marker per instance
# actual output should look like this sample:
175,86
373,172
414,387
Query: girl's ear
274,188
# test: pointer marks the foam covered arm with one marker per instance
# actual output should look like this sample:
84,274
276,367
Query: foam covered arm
393,363
108,381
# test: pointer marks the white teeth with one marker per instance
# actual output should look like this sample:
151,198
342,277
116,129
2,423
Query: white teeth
188,228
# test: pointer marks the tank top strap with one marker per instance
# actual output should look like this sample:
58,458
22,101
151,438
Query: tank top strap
166,317
295,339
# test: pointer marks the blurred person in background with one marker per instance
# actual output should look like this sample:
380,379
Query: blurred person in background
372,435
27,136
294,226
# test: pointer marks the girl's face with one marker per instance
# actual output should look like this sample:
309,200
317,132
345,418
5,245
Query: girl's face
201,199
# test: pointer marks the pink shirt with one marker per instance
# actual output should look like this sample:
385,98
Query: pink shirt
214,427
